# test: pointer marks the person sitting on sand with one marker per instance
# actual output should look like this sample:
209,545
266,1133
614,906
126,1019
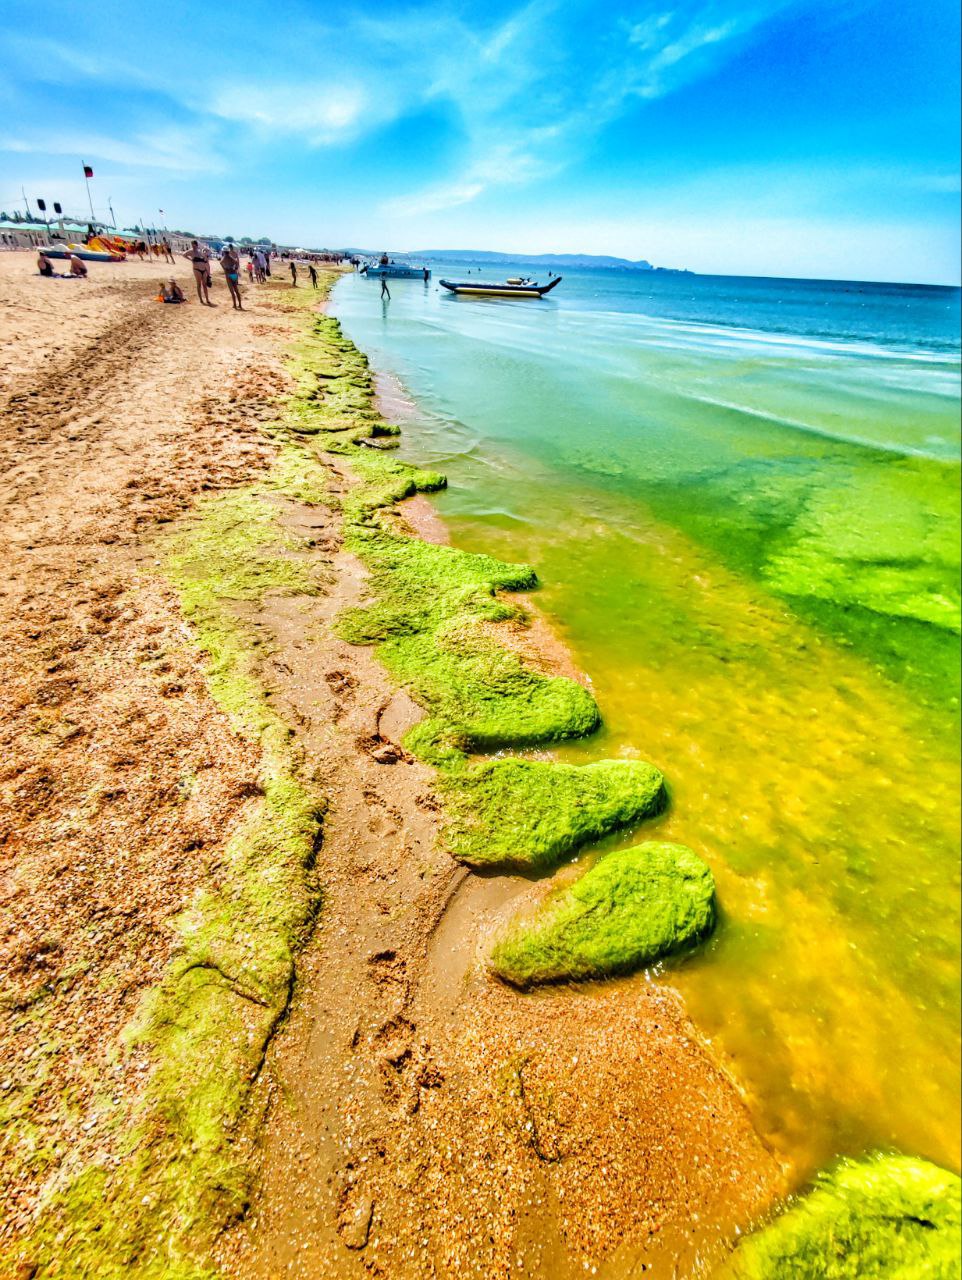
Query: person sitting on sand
44,265
230,261
199,259
77,266
172,292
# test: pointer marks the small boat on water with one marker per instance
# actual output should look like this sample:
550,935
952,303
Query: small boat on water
487,289
392,271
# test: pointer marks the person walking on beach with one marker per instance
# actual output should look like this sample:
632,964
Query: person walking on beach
199,259
230,261
385,291
293,275
313,274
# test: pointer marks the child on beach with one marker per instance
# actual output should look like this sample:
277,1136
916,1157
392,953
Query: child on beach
171,291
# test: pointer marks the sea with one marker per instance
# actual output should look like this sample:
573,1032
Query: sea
741,497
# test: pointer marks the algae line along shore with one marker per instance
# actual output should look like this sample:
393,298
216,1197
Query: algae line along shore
266,717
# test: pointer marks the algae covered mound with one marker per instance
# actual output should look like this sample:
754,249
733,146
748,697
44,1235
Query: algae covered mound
891,1217
630,909
530,813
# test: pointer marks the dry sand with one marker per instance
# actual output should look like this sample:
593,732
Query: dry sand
422,1120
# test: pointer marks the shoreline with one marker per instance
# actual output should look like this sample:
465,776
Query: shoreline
433,1100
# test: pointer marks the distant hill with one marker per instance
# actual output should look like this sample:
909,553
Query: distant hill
589,261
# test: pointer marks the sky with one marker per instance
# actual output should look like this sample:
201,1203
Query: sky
814,138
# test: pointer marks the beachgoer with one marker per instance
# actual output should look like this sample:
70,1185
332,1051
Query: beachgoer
313,272
230,261
385,291
77,266
199,259
168,253
293,275
44,265
426,274
250,270
172,292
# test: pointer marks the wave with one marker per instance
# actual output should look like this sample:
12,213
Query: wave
897,447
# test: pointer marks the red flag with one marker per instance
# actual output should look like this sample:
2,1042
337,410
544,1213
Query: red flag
88,172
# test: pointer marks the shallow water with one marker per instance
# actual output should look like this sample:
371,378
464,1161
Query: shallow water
742,500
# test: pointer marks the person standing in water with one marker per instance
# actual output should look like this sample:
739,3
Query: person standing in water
385,291
313,276
230,261
199,259
293,275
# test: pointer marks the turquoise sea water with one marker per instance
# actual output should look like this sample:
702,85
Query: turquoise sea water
742,499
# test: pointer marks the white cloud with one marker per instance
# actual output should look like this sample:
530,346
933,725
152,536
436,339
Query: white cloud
322,114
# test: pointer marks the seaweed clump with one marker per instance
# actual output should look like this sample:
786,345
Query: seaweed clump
631,909
890,1216
431,616
530,813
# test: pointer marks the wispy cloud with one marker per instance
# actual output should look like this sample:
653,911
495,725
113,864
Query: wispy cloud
529,103
176,150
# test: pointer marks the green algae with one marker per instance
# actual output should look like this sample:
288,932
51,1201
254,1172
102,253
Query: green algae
630,909
890,1218
530,813
181,1172
430,618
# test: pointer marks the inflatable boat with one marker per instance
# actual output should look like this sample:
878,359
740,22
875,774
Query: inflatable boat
482,289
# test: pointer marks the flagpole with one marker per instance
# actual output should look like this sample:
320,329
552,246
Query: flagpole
93,216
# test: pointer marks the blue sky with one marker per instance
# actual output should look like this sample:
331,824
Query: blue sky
772,137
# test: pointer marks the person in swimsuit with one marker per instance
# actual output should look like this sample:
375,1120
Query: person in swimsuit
77,266
172,292
44,265
293,275
313,274
230,261
385,291
199,259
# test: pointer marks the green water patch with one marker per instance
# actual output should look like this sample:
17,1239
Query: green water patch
888,1218
631,909
872,560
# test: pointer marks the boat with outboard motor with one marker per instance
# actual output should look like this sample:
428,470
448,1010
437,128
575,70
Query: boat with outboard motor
489,289
388,269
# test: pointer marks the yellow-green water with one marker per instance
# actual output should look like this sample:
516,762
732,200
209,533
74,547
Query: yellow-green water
749,538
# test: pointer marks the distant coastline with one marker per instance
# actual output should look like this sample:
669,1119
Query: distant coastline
585,261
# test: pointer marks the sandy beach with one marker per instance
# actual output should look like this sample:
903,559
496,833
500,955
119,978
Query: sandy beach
395,1111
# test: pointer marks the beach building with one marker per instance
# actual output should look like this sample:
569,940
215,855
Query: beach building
28,235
